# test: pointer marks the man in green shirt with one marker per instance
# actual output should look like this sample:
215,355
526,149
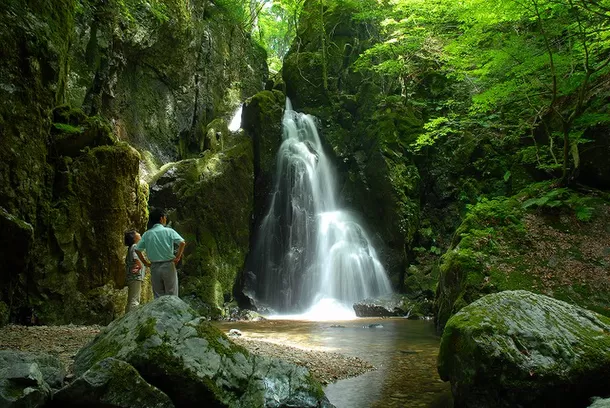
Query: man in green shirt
158,243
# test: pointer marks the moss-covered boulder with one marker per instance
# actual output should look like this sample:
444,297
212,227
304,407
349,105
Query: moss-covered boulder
534,241
190,360
516,348
213,200
111,383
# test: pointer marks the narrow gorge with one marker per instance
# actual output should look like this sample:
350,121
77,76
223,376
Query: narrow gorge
420,187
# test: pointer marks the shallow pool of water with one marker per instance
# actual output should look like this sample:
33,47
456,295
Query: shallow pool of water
403,351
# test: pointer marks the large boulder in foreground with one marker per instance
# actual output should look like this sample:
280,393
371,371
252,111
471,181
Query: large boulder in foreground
192,362
111,383
50,367
519,349
600,403
22,385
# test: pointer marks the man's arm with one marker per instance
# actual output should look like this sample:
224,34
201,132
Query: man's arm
144,260
180,250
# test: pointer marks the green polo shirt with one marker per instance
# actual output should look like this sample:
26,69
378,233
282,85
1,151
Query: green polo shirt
158,242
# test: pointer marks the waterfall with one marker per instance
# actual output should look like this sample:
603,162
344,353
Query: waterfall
309,253
235,123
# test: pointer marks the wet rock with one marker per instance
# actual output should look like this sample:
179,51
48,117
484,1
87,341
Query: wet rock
337,326
192,361
375,326
600,403
235,333
395,305
22,385
50,367
111,383
234,313
516,348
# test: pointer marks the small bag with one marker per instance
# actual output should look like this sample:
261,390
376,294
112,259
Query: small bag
135,268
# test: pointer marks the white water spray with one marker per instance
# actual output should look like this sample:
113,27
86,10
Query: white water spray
312,257
235,123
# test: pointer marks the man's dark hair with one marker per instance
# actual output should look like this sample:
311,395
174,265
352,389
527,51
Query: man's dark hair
130,237
155,215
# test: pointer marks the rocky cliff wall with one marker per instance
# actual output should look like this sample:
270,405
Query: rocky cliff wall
81,84
162,70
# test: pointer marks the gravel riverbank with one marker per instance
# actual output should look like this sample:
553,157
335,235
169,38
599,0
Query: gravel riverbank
65,341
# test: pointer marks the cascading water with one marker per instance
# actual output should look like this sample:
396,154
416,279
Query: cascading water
310,255
235,122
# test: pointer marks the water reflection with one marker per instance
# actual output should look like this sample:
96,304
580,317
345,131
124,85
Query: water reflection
404,352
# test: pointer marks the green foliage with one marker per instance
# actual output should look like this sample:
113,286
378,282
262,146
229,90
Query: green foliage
277,24
519,68
64,127
238,11
499,211
545,196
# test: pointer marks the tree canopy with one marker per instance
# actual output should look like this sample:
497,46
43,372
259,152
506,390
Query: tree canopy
517,68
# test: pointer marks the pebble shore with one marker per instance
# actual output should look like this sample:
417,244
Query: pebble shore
65,341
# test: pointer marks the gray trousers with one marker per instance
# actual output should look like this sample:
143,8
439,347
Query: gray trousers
133,294
164,278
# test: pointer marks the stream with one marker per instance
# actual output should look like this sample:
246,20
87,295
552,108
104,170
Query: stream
403,351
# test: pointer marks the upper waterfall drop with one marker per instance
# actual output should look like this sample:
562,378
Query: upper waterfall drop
310,255
235,123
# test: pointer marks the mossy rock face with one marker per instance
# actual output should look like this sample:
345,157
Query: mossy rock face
213,201
191,361
35,39
97,198
305,64
516,348
151,74
500,245
162,71
68,190
73,131
111,383
303,78
262,121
